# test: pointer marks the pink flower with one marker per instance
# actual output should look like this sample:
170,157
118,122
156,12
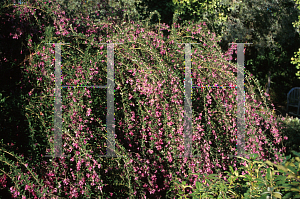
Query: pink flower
27,187
76,145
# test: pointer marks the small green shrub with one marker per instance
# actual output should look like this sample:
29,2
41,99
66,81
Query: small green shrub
258,180
290,130
290,179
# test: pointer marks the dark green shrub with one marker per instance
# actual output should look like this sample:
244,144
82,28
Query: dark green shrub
291,130
257,180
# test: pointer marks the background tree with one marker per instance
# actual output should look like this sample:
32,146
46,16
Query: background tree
214,12
295,59
268,25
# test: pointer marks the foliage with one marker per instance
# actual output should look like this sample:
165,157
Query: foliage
149,129
214,13
258,180
165,9
295,59
290,128
268,25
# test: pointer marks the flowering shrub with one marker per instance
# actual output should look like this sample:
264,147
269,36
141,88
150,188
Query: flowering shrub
149,96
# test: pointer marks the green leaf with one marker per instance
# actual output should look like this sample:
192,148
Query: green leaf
288,195
296,196
235,178
198,185
292,169
248,177
294,189
296,153
268,174
277,195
